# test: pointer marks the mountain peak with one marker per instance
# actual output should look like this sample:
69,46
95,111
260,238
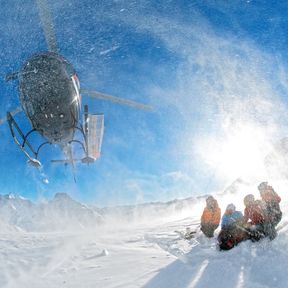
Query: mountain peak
62,196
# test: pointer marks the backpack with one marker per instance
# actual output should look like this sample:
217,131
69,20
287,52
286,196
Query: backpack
272,200
231,236
274,213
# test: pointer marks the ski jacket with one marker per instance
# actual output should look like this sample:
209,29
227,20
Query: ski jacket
255,212
272,200
211,216
231,219
269,195
274,213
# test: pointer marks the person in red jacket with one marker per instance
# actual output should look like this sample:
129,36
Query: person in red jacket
272,200
255,217
210,218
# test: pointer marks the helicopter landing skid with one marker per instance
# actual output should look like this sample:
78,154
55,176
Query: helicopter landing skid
32,160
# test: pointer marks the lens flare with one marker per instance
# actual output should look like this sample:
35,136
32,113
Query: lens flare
238,152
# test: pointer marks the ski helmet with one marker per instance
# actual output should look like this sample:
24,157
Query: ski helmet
248,199
231,207
210,200
262,186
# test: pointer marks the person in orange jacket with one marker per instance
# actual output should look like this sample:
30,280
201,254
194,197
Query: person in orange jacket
210,218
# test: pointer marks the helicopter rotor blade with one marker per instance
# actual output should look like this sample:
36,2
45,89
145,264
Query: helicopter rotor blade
14,112
46,21
118,100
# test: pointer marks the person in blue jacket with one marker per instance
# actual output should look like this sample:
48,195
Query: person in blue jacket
231,216
232,230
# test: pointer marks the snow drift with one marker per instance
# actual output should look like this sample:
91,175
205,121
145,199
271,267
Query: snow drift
63,243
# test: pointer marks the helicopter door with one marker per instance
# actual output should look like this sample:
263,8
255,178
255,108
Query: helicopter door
95,134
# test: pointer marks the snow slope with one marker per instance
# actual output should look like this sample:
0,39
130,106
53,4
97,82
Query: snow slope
147,253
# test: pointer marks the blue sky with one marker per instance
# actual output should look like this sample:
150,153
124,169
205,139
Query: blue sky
214,71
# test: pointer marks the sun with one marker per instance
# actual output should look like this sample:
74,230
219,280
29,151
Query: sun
238,152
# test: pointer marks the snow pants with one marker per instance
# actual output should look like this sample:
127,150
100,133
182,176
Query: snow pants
208,229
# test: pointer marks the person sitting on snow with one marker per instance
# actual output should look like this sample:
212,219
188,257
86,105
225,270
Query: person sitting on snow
232,231
272,200
255,217
231,216
210,218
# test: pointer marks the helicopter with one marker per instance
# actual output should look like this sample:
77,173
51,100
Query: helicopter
50,96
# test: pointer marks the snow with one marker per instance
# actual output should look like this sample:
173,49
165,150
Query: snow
124,253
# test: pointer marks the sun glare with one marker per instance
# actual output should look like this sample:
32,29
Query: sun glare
240,152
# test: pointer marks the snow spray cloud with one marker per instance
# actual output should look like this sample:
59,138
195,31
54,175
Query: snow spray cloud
226,98
223,99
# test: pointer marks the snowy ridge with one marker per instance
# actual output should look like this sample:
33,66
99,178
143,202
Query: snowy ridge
178,208
62,212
